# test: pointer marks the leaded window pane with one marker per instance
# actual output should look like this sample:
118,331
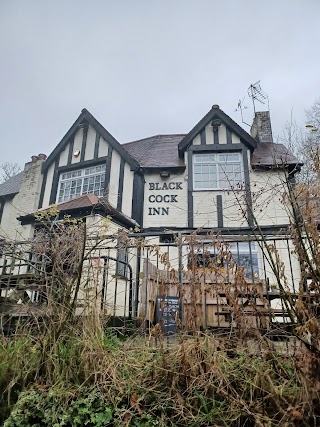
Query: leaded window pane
82,181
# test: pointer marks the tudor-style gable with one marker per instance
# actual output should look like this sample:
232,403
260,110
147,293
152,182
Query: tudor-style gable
216,128
217,153
83,121
88,160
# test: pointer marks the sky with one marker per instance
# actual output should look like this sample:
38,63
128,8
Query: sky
147,67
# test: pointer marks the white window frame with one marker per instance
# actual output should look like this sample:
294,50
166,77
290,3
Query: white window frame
214,165
81,187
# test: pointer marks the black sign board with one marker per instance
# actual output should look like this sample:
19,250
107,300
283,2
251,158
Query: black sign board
167,312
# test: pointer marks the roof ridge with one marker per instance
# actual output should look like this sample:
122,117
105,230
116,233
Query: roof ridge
154,136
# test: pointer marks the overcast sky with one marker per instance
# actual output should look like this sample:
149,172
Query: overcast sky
145,67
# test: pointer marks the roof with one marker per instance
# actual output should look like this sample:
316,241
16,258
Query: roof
12,185
159,151
84,201
270,154
87,203
214,113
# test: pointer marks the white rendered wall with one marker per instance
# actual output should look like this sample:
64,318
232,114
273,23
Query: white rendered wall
165,201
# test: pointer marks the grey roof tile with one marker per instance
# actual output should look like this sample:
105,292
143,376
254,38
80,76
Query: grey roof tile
12,186
156,151
162,151
271,154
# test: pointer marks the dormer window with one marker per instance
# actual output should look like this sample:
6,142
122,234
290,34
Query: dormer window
217,171
83,181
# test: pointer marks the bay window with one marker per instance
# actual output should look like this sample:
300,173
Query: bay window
217,171
83,181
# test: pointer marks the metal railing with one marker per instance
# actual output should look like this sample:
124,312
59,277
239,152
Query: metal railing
192,283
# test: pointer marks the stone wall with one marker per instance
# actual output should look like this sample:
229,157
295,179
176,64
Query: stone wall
25,202
261,127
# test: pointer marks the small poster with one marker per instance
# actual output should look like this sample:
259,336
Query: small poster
167,313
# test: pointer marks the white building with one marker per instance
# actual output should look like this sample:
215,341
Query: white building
217,178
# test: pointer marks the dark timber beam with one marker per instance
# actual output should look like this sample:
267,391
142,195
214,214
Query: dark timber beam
2,202
43,187
190,189
203,136
71,147
138,198
108,170
84,141
219,211
247,186
120,187
216,123
229,136
218,148
55,182
82,165
96,146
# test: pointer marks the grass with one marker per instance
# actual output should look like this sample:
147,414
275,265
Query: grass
90,378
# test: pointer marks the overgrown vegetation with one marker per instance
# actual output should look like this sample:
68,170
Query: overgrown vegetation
99,381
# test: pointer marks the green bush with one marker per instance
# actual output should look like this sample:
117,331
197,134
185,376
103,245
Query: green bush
56,407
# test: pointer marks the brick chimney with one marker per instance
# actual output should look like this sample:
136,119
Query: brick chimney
261,127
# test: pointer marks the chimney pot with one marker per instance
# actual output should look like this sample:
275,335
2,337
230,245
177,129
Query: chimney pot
42,156
34,158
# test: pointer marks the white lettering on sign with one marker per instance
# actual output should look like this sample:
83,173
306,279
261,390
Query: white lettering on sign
163,198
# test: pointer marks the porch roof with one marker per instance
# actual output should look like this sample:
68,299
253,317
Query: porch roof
85,205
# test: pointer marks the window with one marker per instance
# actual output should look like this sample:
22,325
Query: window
122,260
244,254
217,171
82,181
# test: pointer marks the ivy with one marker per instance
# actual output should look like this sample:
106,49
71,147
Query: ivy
40,408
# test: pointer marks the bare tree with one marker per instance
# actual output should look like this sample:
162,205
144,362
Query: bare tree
304,143
9,170
313,114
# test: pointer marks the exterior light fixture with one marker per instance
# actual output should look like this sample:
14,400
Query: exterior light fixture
164,174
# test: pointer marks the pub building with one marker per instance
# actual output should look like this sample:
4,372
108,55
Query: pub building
216,178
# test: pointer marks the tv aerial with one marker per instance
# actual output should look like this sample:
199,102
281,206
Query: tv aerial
257,94
241,107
